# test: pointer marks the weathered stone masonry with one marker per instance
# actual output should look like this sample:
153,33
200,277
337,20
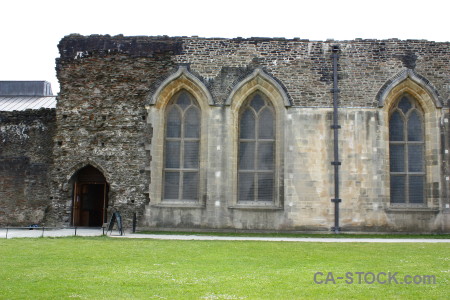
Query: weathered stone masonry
25,161
111,112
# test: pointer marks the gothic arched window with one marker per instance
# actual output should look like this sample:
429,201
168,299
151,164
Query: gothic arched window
182,148
256,158
406,152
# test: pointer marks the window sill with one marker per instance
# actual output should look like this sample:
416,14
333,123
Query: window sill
255,207
178,205
411,209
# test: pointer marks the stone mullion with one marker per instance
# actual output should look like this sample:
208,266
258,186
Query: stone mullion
256,164
406,156
180,187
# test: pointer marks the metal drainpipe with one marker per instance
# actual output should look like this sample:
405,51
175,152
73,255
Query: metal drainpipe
336,163
445,163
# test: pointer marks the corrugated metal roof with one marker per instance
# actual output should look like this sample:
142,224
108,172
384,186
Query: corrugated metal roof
25,88
23,103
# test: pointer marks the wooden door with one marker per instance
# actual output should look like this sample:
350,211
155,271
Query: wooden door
90,198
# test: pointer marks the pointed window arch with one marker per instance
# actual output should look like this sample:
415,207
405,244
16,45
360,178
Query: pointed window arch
407,152
182,148
258,105
177,113
256,150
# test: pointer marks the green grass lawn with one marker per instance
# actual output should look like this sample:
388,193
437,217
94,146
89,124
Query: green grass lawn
112,268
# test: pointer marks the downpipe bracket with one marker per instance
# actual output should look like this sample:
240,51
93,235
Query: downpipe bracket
336,229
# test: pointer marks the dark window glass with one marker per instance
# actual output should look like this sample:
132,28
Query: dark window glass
171,185
397,158
266,126
398,186
173,123
265,186
415,158
191,154
246,186
172,154
190,185
396,125
416,188
182,148
247,128
257,102
256,164
415,132
192,127
183,100
404,104
406,149
247,155
265,156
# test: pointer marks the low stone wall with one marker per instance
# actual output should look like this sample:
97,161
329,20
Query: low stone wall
26,149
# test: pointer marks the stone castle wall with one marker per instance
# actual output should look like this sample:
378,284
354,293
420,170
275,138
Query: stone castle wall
107,118
25,162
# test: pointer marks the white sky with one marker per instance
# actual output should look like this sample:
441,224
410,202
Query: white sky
30,30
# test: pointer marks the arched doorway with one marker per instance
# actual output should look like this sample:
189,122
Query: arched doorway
90,198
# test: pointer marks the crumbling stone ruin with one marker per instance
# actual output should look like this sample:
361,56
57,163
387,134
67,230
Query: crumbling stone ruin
26,147
193,133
